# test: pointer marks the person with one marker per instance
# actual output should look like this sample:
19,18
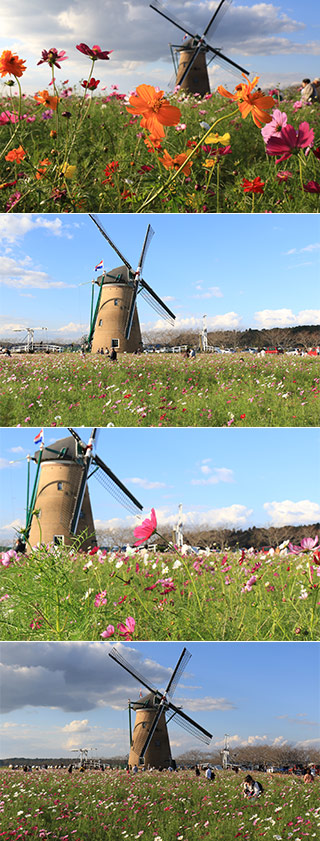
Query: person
316,85
209,774
308,778
107,352
197,771
69,769
251,787
308,92
113,355
135,769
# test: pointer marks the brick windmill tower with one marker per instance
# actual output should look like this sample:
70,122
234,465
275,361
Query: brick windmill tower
190,59
58,505
149,742
114,321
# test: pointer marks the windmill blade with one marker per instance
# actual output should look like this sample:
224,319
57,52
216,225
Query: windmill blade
176,674
153,727
190,63
222,7
131,310
189,724
115,655
147,240
219,55
171,19
109,240
110,481
155,302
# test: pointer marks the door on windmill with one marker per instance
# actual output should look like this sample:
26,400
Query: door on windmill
58,540
115,343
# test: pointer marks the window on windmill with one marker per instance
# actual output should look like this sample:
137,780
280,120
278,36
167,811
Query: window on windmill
114,343
81,516
157,743
58,539
100,322
116,302
144,724
59,486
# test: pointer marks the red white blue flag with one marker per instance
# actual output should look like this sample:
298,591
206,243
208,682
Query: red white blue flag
99,266
39,439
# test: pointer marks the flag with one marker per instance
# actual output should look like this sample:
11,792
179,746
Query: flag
99,266
39,439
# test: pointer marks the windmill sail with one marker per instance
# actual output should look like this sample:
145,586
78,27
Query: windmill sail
116,488
109,240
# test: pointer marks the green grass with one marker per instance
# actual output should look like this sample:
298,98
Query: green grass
101,132
51,594
110,806
159,390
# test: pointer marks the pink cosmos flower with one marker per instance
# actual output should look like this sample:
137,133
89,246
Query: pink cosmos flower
94,52
127,630
290,139
7,117
147,528
298,104
279,119
100,598
307,544
52,57
283,175
108,632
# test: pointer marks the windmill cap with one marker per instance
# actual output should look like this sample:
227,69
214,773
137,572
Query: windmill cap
64,449
119,274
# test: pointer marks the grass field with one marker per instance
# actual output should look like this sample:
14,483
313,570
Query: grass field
159,390
82,152
66,595
154,806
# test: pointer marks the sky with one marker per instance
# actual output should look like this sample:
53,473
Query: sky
278,41
247,477
241,270
59,696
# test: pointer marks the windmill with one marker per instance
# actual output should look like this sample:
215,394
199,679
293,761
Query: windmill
191,68
114,321
149,742
178,529
60,494
225,753
204,335
30,334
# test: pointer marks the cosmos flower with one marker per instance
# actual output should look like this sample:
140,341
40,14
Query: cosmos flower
156,111
44,98
255,186
312,187
94,52
256,104
52,57
17,155
92,85
290,139
176,162
147,528
11,63
279,119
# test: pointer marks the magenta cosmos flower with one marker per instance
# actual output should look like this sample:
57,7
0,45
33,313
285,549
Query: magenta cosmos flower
94,52
290,139
147,528
279,119
307,544
312,187
53,57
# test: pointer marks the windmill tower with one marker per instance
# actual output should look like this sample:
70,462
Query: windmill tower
225,753
149,742
190,58
178,530
60,494
114,321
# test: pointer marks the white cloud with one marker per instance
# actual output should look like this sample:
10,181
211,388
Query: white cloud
225,321
207,703
8,532
214,475
211,292
16,226
286,318
72,327
145,483
14,274
315,246
288,513
77,726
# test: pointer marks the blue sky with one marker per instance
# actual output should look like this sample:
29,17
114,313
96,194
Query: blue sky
222,478
58,696
278,40
241,270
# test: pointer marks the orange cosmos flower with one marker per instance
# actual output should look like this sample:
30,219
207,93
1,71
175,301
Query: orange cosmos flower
156,111
11,63
176,162
250,103
152,143
42,168
44,98
16,155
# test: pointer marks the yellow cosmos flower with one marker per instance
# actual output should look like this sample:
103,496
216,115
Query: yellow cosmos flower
209,163
68,170
224,139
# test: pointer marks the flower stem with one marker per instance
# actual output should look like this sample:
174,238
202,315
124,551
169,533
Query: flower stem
194,150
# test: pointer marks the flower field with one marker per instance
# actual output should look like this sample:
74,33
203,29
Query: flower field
86,148
154,806
63,594
159,390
